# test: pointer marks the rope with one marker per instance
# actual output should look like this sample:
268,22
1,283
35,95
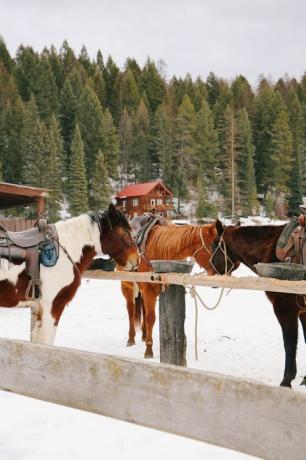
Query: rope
196,296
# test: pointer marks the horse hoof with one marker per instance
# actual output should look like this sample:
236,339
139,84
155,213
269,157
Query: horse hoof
130,343
303,382
285,384
148,354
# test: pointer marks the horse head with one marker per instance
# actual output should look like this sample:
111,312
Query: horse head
115,237
223,260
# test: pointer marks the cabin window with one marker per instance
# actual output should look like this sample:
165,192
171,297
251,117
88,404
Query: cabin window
159,202
124,204
152,202
135,202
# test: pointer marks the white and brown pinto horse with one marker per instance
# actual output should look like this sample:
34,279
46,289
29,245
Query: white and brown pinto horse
80,239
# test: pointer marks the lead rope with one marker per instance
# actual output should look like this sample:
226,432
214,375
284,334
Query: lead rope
195,295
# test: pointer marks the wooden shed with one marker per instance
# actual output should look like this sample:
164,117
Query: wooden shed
136,199
13,195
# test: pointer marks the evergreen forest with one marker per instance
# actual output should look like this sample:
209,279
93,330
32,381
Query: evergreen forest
84,127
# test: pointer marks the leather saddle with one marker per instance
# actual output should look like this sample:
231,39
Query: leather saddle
26,246
291,245
141,227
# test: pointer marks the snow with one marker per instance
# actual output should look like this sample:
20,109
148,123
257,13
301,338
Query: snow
241,338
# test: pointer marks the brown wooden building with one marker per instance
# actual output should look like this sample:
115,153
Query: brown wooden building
136,199
13,195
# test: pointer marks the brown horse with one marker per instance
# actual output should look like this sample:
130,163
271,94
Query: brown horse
251,245
170,242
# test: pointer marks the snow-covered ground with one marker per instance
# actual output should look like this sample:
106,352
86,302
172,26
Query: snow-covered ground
240,338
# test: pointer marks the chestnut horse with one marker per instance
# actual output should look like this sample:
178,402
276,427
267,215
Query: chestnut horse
80,239
170,242
251,245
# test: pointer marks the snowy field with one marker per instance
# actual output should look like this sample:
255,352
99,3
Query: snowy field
241,338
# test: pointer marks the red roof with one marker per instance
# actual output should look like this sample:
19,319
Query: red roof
140,189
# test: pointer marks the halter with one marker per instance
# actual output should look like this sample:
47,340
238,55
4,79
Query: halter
203,244
226,257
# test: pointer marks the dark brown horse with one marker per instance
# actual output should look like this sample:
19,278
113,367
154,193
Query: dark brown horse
250,245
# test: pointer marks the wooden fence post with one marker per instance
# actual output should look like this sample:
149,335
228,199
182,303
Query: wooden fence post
172,336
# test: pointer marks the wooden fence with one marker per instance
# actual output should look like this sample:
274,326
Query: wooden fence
246,416
250,417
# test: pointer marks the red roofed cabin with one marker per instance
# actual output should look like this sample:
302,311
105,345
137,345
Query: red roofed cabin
136,199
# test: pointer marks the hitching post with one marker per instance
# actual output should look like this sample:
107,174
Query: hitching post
172,314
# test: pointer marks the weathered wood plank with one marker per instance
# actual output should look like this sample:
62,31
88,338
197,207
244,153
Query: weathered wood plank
246,282
172,337
250,417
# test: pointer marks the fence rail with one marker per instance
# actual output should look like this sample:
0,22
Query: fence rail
233,282
246,416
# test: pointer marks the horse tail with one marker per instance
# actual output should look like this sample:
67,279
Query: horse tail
139,309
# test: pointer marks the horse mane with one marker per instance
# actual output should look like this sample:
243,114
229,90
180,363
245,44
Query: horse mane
254,231
168,242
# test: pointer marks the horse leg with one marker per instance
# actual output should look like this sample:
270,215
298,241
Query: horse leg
150,293
287,318
303,322
43,326
128,292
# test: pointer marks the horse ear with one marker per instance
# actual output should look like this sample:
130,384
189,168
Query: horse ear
219,227
111,209
238,224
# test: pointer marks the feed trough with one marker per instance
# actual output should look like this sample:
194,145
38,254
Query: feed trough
181,266
282,271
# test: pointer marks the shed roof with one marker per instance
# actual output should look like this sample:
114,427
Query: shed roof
12,195
140,189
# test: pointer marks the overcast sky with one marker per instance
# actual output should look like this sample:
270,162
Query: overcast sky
228,37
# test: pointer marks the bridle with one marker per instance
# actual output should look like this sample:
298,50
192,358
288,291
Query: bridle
221,246
215,247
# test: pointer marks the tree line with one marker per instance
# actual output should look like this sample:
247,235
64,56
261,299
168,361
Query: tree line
83,126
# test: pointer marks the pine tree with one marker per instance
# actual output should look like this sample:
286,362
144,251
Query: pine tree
45,90
140,149
5,57
26,71
185,147
11,147
295,113
100,189
243,96
90,119
246,181
205,208
68,106
228,166
165,142
110,74
77,183
98,85
67,57
213,89
110,143
206,142
267,107
33,147
54,162
128,91
153,84
125,132
280,155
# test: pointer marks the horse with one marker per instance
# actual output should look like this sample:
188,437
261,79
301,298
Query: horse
170,242
250,245
80,239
